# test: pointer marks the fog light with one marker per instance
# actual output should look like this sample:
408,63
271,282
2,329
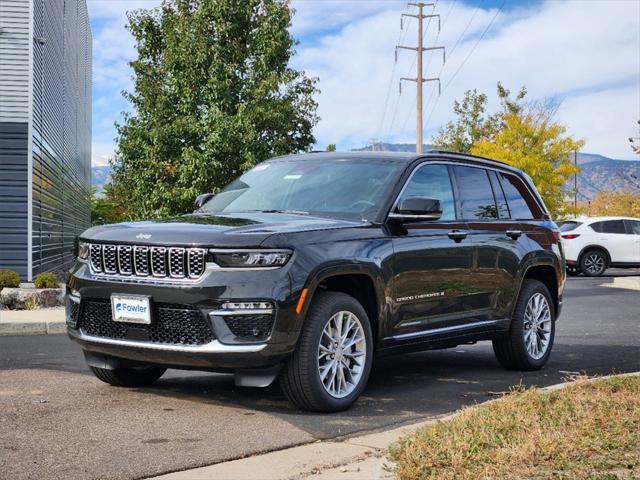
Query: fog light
265,307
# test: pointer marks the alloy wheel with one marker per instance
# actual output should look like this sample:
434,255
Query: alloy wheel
342,354
537,326
594,263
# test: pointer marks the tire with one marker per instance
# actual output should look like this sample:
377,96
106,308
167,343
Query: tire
301,380
512,351
573,270
594,263
129,377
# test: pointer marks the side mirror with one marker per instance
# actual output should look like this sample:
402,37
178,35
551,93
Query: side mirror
417,209
202,199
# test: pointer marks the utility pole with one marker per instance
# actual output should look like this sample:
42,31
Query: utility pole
419,77
575,184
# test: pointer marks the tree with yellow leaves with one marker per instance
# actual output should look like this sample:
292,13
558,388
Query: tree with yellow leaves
618,204
524,135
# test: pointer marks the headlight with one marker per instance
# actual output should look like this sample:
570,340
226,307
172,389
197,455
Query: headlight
83,251
251,258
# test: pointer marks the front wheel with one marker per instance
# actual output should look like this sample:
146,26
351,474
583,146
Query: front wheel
530,339
330,366
129,377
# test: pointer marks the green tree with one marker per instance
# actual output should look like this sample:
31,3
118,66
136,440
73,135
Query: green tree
331,147
529,139
472,124
106,208
214,95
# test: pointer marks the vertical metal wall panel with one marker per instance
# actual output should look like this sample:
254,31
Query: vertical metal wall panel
61,131
13,197
14,61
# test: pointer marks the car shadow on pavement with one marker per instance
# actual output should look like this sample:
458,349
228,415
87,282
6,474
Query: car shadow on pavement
407,388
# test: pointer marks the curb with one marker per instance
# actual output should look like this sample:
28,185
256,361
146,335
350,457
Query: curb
351,458
32,322
32,328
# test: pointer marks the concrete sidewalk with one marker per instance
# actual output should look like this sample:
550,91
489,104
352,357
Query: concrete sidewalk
354,458
32,322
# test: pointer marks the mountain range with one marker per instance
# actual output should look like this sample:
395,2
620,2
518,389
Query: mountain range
599,173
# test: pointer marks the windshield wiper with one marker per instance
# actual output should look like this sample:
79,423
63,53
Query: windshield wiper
290,212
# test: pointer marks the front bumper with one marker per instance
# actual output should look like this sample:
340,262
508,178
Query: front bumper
224,351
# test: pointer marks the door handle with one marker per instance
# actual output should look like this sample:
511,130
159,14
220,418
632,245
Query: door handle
514,234
457,235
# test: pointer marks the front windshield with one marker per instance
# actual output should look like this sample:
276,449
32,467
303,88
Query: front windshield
342,188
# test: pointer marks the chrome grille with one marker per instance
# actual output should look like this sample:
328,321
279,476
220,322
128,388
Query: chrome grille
142,261
159,261
125,263
176,262
195,262
109,259
95,254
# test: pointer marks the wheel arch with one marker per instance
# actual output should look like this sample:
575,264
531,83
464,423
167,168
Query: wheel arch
547,275
594,246
362,282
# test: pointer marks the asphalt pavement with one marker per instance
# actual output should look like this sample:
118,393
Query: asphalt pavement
58,421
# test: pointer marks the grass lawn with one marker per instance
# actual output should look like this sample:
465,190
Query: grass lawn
589,430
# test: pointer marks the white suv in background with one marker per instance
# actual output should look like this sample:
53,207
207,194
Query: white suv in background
592,245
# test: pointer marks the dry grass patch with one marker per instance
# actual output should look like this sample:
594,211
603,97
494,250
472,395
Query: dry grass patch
589,430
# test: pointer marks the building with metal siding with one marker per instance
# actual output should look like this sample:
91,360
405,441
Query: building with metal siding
45,132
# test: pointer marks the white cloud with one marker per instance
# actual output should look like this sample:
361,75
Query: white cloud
101,153
586,52
573,50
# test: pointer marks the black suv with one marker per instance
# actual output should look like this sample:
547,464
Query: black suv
308,266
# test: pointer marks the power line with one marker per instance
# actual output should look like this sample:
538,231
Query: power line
467,57
401,37
420,80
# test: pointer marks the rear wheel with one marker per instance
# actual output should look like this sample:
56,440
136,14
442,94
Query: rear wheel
593,263
330,366
530,339
129,377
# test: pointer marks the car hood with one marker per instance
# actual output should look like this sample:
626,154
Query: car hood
232,230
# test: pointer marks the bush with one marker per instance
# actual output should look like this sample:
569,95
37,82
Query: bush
9,279
47,280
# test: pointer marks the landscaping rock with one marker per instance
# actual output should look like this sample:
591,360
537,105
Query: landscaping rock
31,298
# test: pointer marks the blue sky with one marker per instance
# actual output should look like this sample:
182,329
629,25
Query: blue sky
585,53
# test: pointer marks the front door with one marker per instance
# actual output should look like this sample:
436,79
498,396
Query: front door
432,262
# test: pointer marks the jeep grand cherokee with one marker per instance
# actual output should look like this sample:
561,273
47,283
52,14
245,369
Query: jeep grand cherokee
307,266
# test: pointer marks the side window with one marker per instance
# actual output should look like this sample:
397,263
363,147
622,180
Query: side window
501,201
597,226
517,204
613,226
476,195
432,181
633,227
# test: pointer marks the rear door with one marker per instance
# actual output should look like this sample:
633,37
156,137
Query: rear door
431,269
497,240
633,227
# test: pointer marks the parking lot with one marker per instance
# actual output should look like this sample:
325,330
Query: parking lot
58,421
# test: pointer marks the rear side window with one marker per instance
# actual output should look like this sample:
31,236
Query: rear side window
568,226
476,195
609,226
501,200
432,181
633,226
517,204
